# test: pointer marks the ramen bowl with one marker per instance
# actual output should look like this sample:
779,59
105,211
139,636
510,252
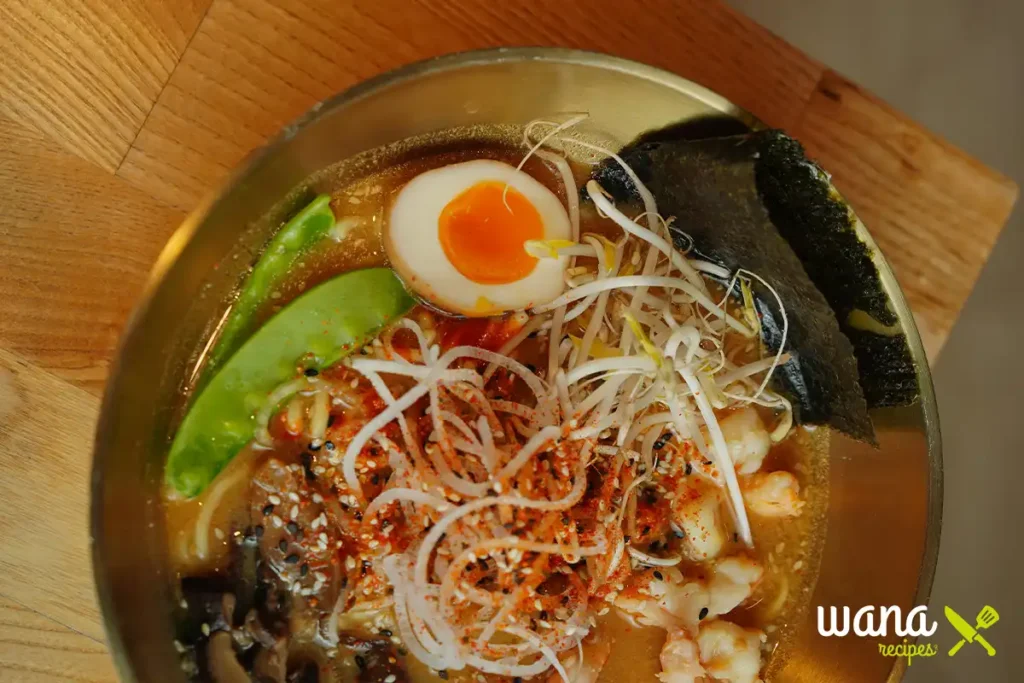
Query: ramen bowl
882,523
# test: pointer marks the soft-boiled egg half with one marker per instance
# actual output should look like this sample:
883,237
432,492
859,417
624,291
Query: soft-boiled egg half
456,236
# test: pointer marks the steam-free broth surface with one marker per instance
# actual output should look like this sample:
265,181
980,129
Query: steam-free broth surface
326,582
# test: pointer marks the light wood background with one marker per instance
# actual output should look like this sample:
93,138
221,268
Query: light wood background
117,115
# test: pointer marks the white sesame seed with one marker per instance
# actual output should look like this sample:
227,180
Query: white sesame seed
294,513
317,498
350,563
293,497
205,628
179,647
276,521
273,500
219,533
390,678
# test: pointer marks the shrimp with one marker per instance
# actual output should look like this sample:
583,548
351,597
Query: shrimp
772,494
680,659
670,601
732,581
730,653
697,511
747,438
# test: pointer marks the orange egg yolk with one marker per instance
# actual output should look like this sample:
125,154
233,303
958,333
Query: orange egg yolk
483,238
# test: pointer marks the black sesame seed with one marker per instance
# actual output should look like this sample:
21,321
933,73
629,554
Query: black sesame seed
314,446
360,661
689,469
258,531
292,559
735,537
532,335
386,632
375,479
268,509
662,440
283,545
659,576
311,372
358,516
293,528
402,651
329,445
708,463
443,675
517,679
531,367
544,615
304,569
703,613
330,420
678,533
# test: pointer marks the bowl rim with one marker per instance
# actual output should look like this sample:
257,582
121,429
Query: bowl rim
183,234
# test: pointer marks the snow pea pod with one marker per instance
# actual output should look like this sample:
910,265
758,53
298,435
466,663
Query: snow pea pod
315,330
307,227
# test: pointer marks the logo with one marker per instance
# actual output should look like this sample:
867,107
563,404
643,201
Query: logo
985,619
879,622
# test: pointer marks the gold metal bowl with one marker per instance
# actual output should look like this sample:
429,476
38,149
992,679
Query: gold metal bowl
885,510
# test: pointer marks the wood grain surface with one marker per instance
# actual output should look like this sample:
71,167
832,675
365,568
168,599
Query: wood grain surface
86,72
35,649
77,244
117,115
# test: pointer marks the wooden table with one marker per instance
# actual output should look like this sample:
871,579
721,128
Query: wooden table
117,115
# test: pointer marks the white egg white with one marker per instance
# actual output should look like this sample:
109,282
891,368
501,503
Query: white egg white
414,247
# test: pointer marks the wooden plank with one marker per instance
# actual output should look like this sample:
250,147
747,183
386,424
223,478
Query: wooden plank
46,432
255,65
34,649
934,211
87,72
77,244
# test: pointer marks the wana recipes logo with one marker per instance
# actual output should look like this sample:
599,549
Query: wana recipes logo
878,622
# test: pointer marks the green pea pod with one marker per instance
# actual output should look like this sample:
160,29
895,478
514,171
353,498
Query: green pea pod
317,329
307,227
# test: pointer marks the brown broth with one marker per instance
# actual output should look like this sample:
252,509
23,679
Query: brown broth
789,551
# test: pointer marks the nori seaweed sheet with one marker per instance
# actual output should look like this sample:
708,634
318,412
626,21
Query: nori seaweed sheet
819,228
711,187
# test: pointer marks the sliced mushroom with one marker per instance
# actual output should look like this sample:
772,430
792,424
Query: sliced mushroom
222,662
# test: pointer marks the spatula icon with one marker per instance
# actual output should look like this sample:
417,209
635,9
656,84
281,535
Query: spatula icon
986,618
